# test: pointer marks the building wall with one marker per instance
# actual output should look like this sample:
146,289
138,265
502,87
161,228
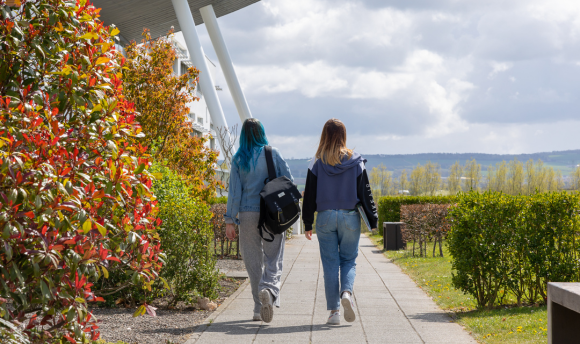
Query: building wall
198,111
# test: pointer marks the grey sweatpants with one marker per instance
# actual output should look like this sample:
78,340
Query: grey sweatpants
263,259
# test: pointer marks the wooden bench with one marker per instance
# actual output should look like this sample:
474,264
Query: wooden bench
563,313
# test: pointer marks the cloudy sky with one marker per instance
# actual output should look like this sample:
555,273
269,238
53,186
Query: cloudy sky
494,76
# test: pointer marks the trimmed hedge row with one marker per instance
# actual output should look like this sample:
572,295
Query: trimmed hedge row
389,207
504,244
425,223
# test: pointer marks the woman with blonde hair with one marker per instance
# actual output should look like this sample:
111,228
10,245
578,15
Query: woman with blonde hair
336,182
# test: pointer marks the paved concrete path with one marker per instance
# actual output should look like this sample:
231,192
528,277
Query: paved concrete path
390,307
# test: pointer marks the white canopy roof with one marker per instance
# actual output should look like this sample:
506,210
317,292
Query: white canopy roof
131,16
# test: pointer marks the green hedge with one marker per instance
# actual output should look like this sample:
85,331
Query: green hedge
504,244
186,236
186,239
218,200
390,206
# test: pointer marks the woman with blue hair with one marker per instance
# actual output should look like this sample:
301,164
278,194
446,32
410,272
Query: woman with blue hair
263,259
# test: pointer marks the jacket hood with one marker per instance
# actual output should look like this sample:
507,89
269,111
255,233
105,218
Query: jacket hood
345,165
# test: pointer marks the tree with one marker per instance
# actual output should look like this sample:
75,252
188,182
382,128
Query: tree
403,181
515,178
530,174
75,200
417,180
501,176
381,181
454,179
227,137
161,98
472,173
576,178
432,178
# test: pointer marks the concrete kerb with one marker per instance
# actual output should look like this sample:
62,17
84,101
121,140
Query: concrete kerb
207,322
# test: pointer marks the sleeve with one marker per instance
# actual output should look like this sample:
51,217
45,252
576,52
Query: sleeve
234,195
309,203
365,196
282,168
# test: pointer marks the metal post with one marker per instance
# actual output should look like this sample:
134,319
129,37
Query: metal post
185,19
209,18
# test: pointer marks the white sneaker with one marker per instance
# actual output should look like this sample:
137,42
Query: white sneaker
348,306
334,318
267,310
257,317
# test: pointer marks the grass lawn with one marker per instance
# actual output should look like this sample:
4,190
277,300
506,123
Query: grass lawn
505,325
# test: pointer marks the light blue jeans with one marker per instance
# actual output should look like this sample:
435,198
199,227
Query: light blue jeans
338,234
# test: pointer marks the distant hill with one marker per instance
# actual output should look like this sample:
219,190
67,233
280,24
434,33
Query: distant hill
564,161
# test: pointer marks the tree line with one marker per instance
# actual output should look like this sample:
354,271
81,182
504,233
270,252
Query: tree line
513,177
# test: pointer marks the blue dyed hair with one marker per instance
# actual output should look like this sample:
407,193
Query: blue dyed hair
252,138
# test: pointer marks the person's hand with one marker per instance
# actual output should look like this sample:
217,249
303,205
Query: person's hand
231,231
373,230
308,235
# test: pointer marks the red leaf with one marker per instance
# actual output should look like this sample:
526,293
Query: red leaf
70,339
114,258
65,171
30,214
99,194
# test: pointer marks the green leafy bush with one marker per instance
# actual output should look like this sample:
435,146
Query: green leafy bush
186,237
389,207
219,200
502,243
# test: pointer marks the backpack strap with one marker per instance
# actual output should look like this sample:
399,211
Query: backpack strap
270,163
264,229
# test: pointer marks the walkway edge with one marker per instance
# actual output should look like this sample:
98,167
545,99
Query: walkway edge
207,322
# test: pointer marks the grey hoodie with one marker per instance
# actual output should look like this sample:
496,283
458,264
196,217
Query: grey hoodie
338,187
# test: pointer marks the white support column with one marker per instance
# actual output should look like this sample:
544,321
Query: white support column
210,20
185,19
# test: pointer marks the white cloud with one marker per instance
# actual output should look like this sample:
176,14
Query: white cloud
498,67
437,75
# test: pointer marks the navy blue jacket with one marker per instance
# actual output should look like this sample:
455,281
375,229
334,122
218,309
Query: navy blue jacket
338,187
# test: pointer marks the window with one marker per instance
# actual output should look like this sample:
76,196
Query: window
212,143
200,120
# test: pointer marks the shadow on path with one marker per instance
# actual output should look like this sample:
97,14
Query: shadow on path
251,327
431,317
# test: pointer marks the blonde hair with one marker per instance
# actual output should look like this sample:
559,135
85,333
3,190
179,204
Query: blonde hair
332,146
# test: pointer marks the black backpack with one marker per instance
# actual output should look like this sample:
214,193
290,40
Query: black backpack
279,202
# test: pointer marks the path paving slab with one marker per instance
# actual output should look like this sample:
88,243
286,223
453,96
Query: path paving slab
390,307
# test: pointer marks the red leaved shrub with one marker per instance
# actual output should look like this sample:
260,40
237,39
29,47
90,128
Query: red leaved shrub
425,223
75,200
219,231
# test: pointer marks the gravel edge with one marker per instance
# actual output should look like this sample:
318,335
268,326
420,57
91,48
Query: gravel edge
207,322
